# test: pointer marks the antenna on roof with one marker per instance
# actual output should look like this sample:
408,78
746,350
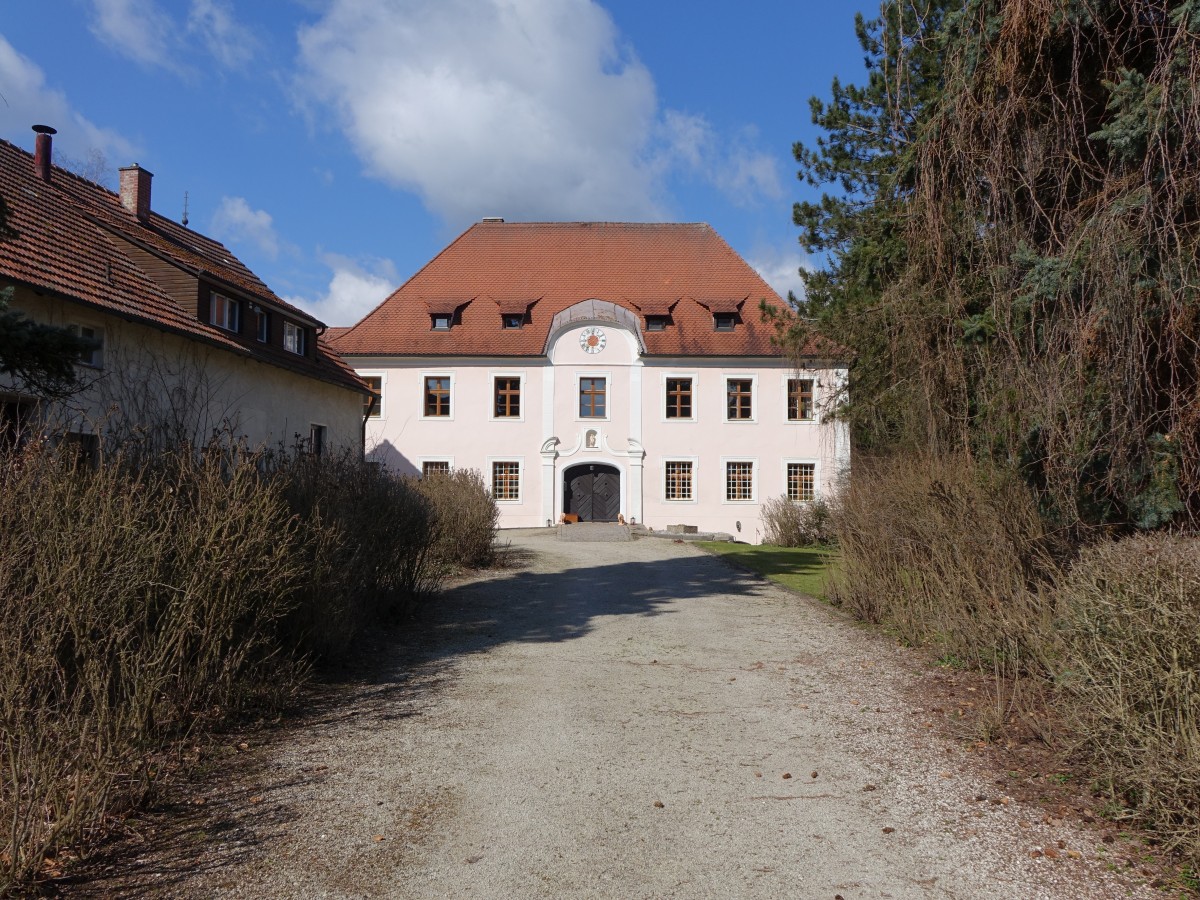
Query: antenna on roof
185,200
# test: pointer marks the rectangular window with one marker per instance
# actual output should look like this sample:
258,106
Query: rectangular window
679,398
437,395
591,398
225,312
656,323
293,338
373,406
508,397
316,440
262,324
432,467
739,481
739,393
800,399
724,321
93,357
801,481
506,480
513,320
441,321
679,480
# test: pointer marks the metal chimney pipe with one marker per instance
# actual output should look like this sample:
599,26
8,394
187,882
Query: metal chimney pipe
42,151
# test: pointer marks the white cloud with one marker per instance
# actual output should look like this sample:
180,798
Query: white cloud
30,101
231,44
744,174
236,221
529,109
138,30
142,31
355,288
780,267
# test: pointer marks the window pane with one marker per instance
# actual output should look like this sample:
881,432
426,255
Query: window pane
679,398
679,481
435,467
591,398
437,395
375,383
506,480
800,399
801,481
739,481
508,397
738,391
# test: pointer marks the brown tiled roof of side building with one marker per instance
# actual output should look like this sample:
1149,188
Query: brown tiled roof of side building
68,242
685,270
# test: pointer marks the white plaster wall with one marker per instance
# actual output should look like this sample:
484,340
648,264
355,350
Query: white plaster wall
148,376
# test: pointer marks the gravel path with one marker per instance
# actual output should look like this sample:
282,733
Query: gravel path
626,720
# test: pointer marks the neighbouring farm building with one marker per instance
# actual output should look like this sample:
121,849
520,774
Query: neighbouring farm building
598,370
188,339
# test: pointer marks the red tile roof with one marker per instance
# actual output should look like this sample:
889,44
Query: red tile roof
687,271
65,245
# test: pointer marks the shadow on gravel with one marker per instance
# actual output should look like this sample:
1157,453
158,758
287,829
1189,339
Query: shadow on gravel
395,674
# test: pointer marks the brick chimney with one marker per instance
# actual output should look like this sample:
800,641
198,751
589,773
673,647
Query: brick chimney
135,190
42,151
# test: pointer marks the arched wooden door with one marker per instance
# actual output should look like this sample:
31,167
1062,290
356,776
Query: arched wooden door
593,492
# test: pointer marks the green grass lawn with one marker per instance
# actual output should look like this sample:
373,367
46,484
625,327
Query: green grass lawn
803,569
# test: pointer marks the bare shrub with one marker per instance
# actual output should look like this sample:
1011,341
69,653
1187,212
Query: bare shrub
465,517
787,523
953,557
1130,668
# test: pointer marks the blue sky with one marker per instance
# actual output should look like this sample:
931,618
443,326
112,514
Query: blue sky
337,145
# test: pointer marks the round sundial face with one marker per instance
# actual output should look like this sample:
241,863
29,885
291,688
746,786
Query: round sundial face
592,340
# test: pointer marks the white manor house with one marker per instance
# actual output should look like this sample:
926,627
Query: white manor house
599,370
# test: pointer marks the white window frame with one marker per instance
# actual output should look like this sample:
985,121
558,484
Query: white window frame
506,373
608,396
302,334
662,481
421,396
383,379
783,392
755,478
95,358
222,322
802,460
421,460
520,461
662,398
755,398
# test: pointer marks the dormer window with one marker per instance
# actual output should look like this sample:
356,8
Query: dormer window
724,321
225,312
294,338
512,320
262,323
656,323
442,321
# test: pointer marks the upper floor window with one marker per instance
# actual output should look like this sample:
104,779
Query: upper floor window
740,398
295,339
592,398
800,399
437,395
507,397
724,321
442,321
262,324
373,406
679,398
656,323
512,320
225,312
94,355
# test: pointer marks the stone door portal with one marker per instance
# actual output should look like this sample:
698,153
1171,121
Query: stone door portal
592,492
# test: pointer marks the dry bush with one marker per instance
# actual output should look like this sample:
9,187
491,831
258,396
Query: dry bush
787,523
366,549
465,516
950,557
1130,668
134,600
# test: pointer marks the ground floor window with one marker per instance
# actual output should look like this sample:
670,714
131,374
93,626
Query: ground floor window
506,480
801,481
316,440
432,467
739,481
679,480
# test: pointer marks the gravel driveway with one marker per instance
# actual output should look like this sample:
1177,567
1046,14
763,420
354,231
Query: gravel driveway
625,720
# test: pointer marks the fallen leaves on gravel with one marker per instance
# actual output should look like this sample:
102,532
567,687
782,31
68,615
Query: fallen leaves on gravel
658,804
888,829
